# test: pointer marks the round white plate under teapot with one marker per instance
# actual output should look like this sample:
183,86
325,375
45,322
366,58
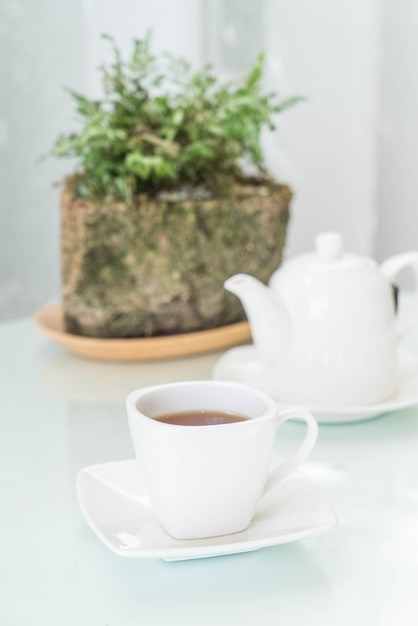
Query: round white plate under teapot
242,364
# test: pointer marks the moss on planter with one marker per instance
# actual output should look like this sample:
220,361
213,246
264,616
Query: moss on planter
157,265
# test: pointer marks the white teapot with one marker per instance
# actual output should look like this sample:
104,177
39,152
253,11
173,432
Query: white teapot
326,328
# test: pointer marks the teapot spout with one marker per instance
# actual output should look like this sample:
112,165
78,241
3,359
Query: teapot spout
268,318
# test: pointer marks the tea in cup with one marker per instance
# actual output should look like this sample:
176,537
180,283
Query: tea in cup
205,450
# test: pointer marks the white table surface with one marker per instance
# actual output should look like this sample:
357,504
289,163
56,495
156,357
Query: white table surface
59,413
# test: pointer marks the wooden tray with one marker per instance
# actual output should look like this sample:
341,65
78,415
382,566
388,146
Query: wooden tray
50,320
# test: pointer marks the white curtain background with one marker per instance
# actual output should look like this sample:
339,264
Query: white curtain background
349,151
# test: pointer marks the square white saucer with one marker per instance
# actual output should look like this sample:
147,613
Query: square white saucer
114,502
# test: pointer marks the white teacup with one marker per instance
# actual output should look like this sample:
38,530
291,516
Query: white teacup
206,480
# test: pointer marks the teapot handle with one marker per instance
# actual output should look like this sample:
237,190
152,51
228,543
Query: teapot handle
390,268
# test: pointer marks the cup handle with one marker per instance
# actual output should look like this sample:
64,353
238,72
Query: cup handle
289,465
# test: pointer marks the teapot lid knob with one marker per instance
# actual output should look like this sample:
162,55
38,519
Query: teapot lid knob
329,246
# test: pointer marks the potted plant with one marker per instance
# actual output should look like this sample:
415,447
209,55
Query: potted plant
169,198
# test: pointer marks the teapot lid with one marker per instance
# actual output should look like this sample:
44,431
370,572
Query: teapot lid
329,246
329,255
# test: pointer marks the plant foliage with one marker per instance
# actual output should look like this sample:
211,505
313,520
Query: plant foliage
161,126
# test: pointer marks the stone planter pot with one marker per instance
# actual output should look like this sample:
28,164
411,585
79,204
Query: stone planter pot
157,266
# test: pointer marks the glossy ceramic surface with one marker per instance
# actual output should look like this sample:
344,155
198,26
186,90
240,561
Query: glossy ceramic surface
326,328
206,481
114,501
243,365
